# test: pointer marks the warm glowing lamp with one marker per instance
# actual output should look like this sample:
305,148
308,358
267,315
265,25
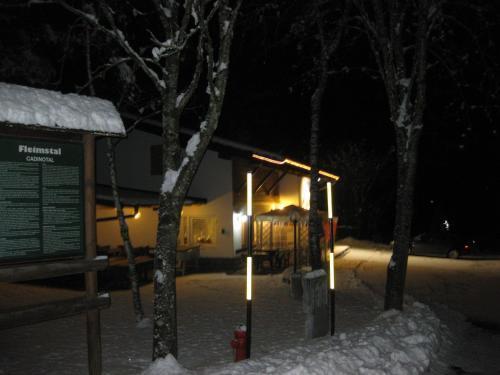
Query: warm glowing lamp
249,264
249,278
329,197
249,194
331,257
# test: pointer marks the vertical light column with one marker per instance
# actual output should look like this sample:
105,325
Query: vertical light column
331,257
249,264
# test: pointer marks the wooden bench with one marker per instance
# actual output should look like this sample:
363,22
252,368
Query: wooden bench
143,265
187,255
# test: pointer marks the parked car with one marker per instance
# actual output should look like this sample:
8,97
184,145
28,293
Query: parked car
442,245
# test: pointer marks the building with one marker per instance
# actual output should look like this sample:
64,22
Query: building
213,216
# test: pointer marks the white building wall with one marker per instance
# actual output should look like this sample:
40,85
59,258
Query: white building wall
133,162
290,190
213,181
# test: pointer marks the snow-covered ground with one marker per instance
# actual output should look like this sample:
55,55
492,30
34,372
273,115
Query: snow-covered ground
465,295
394,343
210,305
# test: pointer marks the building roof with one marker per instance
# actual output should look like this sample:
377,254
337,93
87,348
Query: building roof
135,197
268,158
27,106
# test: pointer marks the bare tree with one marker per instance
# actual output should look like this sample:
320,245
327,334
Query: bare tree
188,43
359,202
127,244
399,33
329,34
129,250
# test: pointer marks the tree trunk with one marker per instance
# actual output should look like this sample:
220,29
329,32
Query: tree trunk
129,251
315,227
407,167
165,309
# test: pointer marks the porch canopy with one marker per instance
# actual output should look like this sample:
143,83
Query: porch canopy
274,229
288,214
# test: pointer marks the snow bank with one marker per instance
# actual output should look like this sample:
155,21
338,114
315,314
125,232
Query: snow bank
167,365
394,343
30,106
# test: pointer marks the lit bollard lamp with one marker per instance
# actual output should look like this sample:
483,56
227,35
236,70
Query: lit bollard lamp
249,264
331,258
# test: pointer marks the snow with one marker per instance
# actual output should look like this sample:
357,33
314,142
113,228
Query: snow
392,263
394,343
226,27
159,278
192,144
144,323
166,366
167,12
38,107
157,52
179,100
194,14
222,66
171,176
315,274
405,82
367,340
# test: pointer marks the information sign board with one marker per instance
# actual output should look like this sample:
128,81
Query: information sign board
41,199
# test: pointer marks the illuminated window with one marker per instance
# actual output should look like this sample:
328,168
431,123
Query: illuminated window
203,230
183,237
305,193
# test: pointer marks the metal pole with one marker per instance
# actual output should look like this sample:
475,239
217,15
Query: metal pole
249,286
332,281
295,246
93,316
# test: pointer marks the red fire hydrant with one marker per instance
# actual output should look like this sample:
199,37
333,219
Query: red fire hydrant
239,343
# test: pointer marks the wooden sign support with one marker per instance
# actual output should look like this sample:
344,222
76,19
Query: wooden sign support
91,302
93,315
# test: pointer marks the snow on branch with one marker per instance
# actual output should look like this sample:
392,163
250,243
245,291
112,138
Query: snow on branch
171,176
115,33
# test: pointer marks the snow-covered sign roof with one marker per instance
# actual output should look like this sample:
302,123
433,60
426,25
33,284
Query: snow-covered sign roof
51,109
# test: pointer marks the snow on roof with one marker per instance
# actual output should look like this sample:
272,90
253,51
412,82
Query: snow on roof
52,109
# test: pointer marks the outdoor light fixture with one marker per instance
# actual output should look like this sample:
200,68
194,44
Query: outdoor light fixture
295,164
249,194
137,214
249,263
249,278
331,258
329,198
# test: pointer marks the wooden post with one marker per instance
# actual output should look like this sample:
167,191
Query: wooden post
93,316
261,234
295,246
271,245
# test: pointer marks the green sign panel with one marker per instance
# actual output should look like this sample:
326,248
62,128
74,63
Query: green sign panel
41,199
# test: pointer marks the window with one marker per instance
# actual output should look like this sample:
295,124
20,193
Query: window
183,232
203,230
156,160
305,194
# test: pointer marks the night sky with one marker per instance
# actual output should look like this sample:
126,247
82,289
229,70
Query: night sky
267,105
